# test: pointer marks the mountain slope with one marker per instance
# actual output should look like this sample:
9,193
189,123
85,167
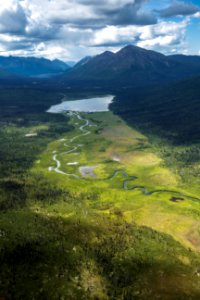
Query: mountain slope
31,66
130,67
5,74
190,60
172,111
82,62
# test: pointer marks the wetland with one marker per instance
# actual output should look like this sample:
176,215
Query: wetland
89,207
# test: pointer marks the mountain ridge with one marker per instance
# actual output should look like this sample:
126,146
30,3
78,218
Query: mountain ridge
31,66
131,66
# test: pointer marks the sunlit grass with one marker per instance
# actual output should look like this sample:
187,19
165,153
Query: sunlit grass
110,152
89,238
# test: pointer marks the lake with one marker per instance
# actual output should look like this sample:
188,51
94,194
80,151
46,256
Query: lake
97,104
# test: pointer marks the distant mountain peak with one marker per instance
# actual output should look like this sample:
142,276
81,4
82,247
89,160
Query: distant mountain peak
132,49
131,66
108,53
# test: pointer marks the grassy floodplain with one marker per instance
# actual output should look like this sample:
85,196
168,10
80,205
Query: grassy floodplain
113,146
128,230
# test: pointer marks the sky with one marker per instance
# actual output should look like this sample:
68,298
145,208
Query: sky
72,29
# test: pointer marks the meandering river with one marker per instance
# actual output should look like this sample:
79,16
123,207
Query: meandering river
98,104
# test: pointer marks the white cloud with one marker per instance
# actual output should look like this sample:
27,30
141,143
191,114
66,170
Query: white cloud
12,17
197,15
158,41
70,29
164,34
178,8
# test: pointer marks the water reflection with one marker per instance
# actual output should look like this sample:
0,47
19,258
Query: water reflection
97,104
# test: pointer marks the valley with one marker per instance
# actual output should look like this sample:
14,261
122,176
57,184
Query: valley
118,161
95,211
99,150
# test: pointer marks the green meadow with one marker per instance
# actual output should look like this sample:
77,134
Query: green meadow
113,148
126,227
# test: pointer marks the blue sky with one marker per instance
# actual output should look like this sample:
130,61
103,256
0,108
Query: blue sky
193,36
71,29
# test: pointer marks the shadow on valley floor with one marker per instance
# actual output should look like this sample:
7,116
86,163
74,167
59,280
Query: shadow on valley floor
170,118
85,257
171,112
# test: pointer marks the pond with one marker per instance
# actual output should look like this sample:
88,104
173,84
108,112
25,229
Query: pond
97,104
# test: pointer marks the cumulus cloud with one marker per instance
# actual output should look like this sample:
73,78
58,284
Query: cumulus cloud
101,13
197,15
130,14
162,36
179,9
70,29
13,18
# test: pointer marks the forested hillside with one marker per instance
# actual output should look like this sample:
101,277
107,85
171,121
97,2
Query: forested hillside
172,110
170,117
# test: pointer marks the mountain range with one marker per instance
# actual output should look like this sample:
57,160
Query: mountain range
12,66
131,67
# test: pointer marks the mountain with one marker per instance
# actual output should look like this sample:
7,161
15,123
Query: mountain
190,60
32,66
59,64
130,67
170,111
5,74
71,63
83,61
